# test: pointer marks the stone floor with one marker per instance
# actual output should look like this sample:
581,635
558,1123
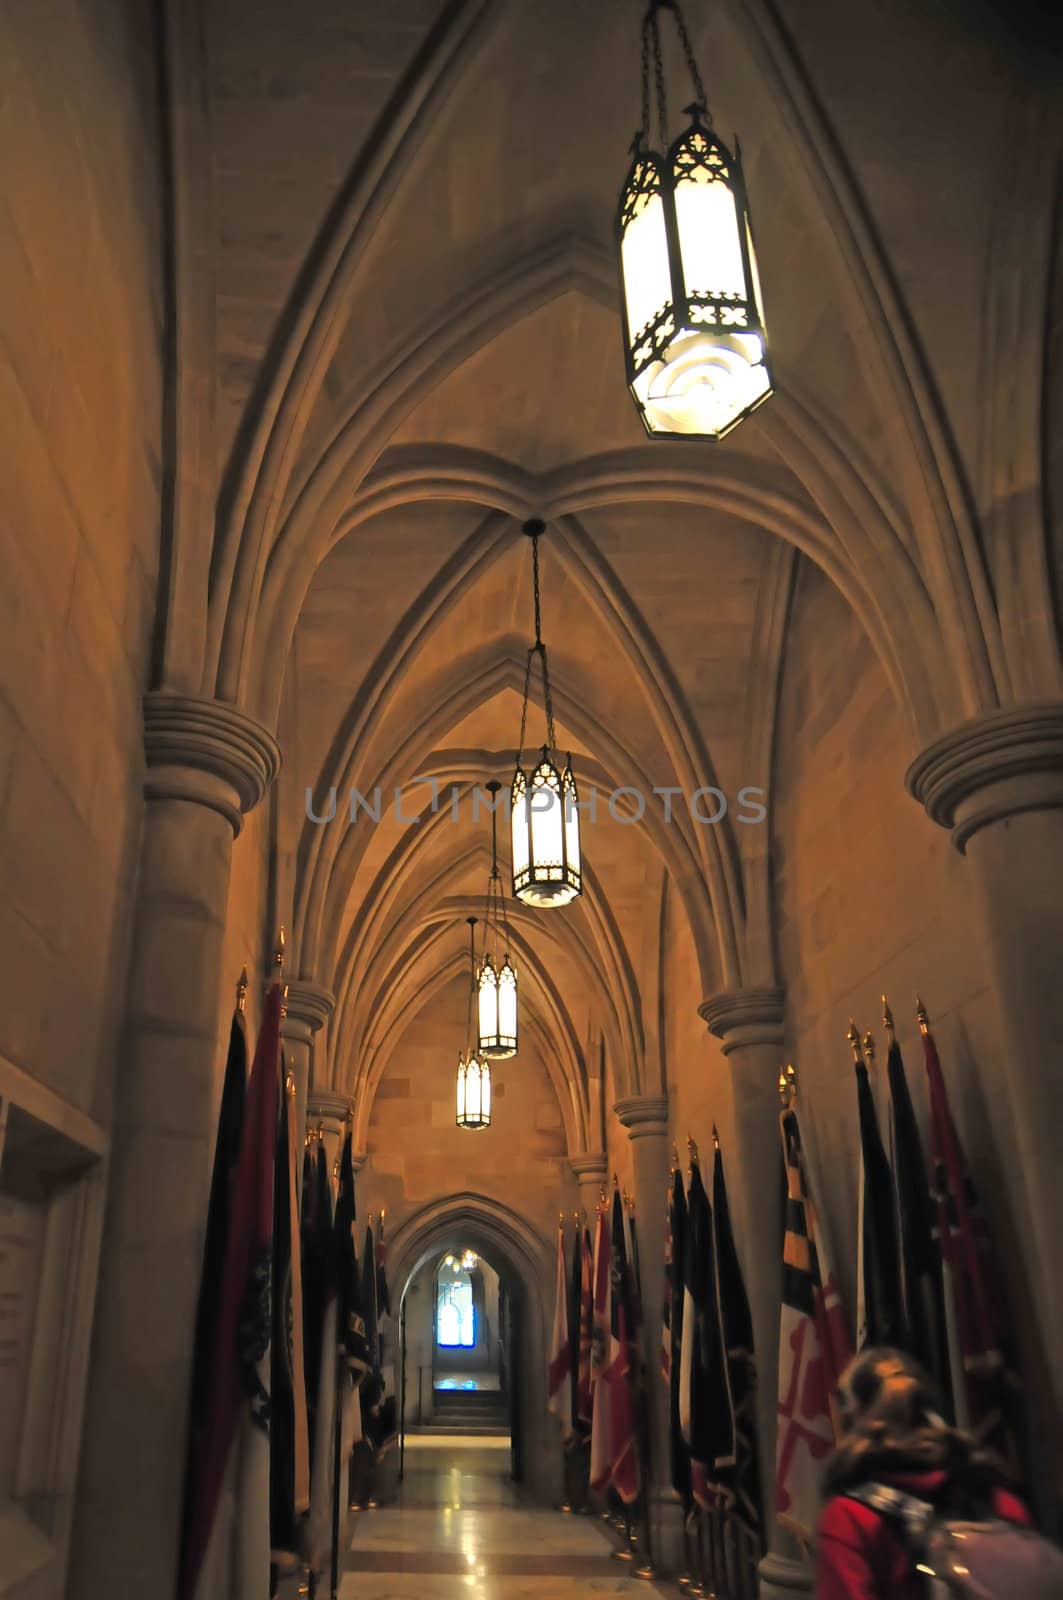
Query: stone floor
461,1531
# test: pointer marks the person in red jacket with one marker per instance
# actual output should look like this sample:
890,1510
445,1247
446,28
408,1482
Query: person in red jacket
895,1436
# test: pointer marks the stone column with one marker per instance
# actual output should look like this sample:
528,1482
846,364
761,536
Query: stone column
207,764
997,784
309,1008
589,1172
749,1024
646,1119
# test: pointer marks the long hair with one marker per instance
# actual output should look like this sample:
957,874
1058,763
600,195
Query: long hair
890,1415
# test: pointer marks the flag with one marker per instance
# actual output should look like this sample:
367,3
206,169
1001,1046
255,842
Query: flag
215,1246
984,1386
289,1444
236,1438
599,1358
814,1347
620,1373
321,1354
922,1284
706,1411
371,1393
674,1258
575,1290
383,1293
737,1323
351,1328
878,1306
560,1350
584,1390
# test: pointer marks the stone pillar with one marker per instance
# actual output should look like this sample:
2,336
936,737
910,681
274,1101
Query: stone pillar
589,1172
207,764
309,1008
749,1024
997,784
646,1119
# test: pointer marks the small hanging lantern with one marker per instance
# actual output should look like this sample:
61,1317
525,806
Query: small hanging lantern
544,810
473,1103
497,981
695,344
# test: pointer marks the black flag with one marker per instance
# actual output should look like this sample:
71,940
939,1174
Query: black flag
737,1323
879,1290
680,1453
922,1287
705,1408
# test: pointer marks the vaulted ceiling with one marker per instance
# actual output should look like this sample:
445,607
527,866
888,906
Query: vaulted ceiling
418,346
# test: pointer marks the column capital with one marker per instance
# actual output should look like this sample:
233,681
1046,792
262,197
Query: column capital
309,1007
329,1108
645,1116
588,1166
745,1016
991,768
207,752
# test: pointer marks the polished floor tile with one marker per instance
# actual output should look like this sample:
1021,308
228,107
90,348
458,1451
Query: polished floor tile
461,1531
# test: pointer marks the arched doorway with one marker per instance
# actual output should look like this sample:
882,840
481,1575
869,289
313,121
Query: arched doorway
512,1346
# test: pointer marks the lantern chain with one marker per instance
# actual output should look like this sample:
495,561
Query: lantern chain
472,988
537,649
651,30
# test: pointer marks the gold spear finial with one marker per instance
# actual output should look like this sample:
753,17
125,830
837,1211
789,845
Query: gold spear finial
784,1087
853,1036
692,1150
788,1085
241,991
284,1001
921,1016
887,1019
715,1138
278,957
675,1159
289,1085
869,1048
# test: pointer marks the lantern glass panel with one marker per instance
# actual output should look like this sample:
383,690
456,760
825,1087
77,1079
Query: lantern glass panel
646,269
519,826
569,801
710,242
488,1004
460,1109
507,1006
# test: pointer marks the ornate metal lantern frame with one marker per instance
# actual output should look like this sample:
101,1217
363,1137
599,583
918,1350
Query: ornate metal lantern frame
545,837
473,1092
496,984
692,326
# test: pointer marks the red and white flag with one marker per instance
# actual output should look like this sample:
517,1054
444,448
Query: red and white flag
601,1460
558,1385
814,1347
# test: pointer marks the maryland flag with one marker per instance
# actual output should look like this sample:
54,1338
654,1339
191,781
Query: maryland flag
215,1248
984,1387
228,1549
672,1344
706,1407
814,1347
879,1318
558,1374
737,1322
923,1332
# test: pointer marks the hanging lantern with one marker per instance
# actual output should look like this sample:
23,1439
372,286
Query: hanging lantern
695,344
497,981
544,812
473,1101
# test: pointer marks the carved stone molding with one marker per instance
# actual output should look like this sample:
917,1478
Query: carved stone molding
991,768
645,1116
588,1166
745,1016
309,1007
330,1109
207,752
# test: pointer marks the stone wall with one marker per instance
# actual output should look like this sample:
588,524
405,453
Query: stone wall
80,370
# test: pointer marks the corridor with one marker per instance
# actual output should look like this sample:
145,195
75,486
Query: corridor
460,1528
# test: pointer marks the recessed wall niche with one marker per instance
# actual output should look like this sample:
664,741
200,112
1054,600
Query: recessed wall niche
52,1160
